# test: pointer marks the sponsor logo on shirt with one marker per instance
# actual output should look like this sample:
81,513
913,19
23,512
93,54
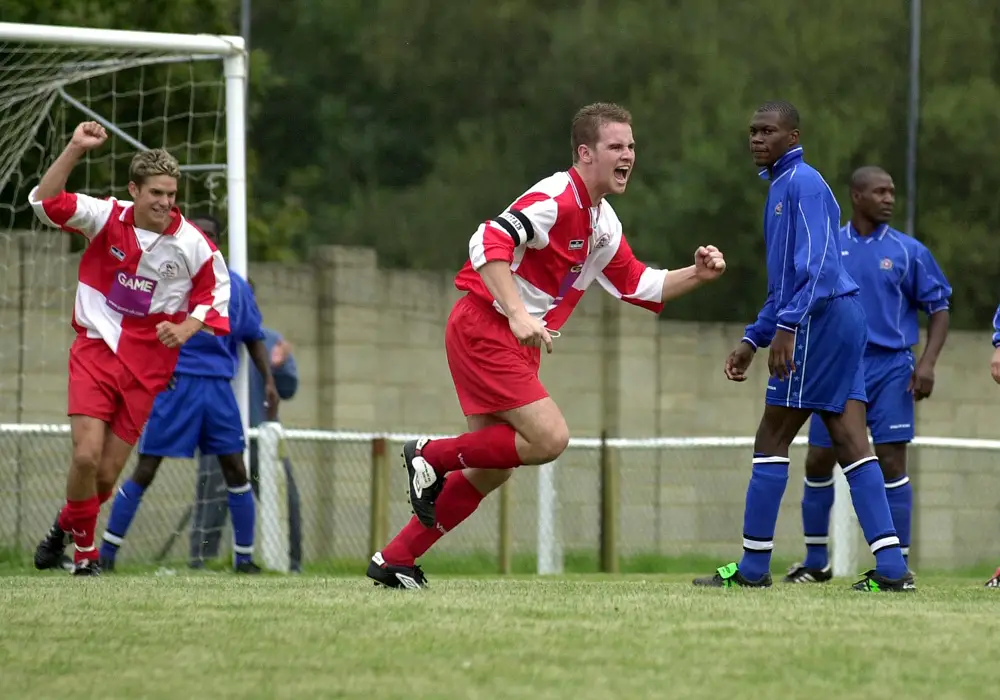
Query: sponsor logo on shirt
576,244
117,253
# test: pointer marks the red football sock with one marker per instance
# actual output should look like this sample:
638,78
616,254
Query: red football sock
82,517
63,520
458,500
492,447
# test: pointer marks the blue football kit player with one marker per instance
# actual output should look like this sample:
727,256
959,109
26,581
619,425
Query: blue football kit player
898,277
994,581
199,410
815,327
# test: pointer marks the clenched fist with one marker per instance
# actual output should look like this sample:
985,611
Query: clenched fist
88,136
708,263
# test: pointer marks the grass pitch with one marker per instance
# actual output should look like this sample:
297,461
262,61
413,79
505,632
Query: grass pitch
215,635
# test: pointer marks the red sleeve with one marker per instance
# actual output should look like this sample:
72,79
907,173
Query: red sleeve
525,223
633,281
210,293
73,212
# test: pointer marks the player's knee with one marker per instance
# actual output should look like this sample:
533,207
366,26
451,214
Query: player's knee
86,458
552,442
820,462
892,459
233,471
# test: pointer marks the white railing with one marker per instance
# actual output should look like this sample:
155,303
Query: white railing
352,496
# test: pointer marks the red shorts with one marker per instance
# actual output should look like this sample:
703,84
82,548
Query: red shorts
491,370
101,387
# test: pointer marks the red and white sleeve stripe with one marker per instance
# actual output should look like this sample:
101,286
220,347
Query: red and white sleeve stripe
526,223
73,212
630,280
210,287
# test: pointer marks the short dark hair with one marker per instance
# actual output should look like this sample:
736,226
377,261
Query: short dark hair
587,123
863,175
786,110
210,219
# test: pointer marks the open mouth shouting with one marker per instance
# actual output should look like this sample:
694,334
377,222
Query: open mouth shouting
622,173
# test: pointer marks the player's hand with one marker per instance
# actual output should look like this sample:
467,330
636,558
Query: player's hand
280,352
173,335
709,263
739,361
530,331
271,400
781,363
995,366
922,381
88,136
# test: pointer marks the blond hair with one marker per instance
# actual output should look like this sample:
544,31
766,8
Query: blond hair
157,161
587,123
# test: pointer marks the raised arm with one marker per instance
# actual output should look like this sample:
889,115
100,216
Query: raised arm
75,213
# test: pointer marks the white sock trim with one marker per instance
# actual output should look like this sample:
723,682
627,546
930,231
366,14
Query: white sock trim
884,542
819,484
897,483
860,462
771,460
757,545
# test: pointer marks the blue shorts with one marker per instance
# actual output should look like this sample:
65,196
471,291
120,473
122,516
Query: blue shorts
890,404
194,412
828,356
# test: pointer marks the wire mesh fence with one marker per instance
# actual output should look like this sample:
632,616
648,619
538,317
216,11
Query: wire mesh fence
602,501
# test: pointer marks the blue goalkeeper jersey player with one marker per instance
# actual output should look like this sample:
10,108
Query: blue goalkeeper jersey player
198,410
898,278
815,326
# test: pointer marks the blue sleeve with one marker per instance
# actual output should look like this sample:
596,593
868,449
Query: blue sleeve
814,259
251,326
761,332
286,378
930,290
996,328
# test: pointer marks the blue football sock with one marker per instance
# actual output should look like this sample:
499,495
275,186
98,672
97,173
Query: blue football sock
123,510
760,516
817,501
899,493
872,507
242,515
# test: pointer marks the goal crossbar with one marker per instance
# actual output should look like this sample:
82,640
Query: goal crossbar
122,39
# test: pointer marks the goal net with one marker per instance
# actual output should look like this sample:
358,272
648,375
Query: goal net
148,91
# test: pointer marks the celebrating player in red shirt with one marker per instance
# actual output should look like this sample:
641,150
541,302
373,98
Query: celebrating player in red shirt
148,281
528,268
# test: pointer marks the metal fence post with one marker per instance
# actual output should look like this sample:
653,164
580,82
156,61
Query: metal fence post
378,528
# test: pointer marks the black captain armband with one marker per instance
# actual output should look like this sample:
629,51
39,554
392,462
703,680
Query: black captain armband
517,225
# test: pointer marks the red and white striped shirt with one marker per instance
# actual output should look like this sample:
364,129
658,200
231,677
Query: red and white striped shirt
131,279
557,243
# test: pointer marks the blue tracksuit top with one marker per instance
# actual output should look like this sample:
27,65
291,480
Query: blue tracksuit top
802,238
